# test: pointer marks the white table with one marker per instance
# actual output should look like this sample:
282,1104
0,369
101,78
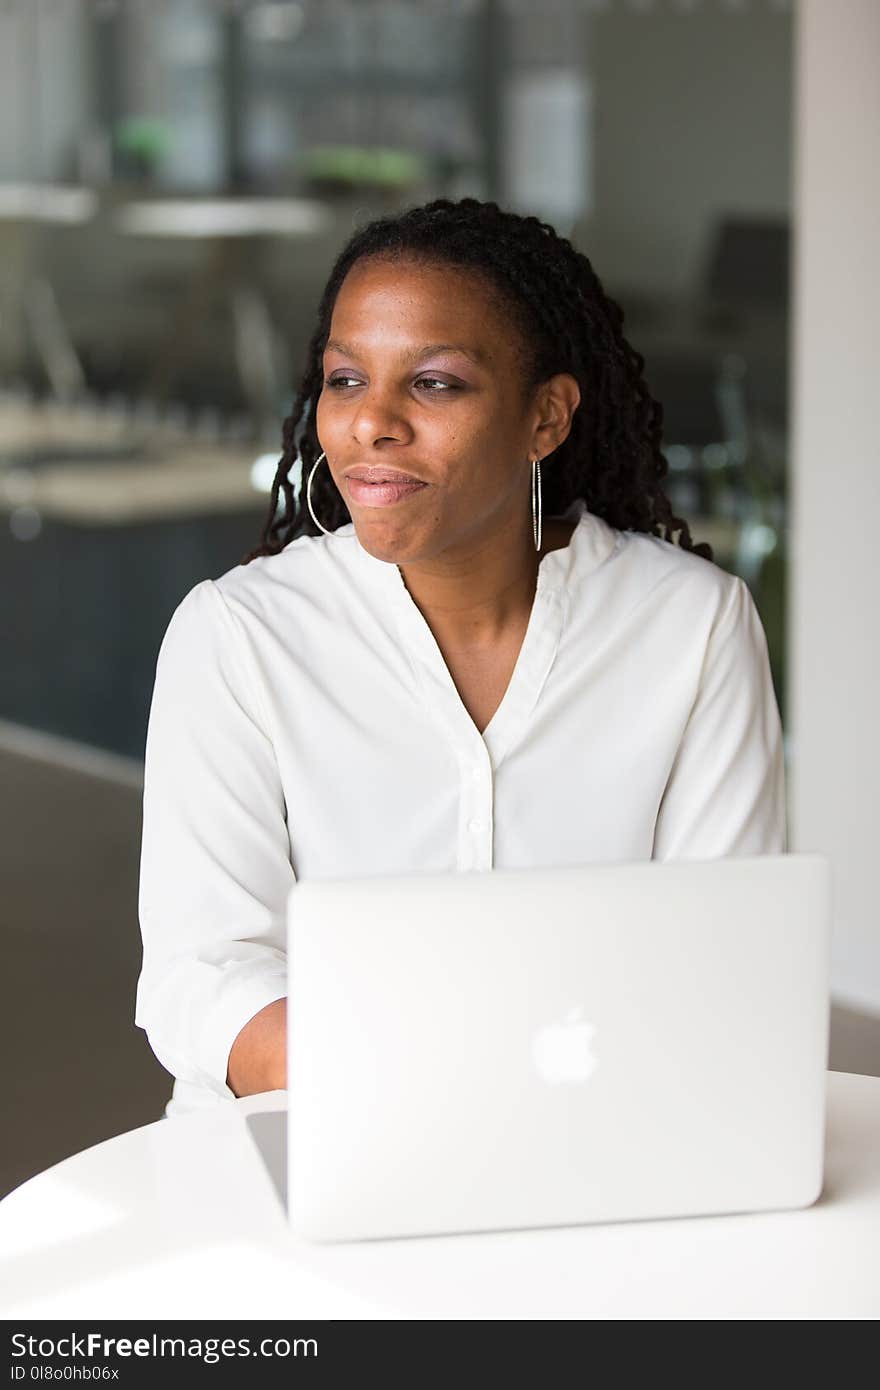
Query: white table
181,1219
224,217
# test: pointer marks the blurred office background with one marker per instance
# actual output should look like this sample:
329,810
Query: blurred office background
176,178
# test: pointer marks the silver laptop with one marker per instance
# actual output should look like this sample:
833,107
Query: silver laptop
550,1047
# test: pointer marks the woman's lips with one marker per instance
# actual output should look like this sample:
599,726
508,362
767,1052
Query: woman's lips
380,494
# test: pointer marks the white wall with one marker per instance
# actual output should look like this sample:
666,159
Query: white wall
834,597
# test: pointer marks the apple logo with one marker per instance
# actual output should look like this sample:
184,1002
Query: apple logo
563,1051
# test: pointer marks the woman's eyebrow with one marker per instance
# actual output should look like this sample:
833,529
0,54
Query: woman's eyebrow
418,354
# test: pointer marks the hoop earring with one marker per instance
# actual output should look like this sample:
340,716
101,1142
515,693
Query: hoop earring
309,496
536,501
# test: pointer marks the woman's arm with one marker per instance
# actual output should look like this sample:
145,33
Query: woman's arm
258,1058
216,868
726,791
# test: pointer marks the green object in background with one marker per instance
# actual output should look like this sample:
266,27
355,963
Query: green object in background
145,138
356,164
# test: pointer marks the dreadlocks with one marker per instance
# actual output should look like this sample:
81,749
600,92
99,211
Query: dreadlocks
566,323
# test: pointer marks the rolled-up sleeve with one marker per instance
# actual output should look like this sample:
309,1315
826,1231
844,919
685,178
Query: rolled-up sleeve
725,795
215,870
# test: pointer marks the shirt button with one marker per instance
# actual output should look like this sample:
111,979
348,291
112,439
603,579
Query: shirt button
475,825
476,773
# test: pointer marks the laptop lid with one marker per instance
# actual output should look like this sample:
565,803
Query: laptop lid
541,1047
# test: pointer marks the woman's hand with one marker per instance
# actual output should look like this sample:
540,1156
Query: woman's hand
258,1057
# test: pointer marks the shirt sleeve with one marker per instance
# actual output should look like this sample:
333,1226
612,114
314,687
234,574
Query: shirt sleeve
725,795
215,870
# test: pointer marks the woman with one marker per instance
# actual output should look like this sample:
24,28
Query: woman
469,643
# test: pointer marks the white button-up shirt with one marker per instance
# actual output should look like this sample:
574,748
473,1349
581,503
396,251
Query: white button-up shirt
304,724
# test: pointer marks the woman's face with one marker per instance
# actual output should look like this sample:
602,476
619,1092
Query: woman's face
422,375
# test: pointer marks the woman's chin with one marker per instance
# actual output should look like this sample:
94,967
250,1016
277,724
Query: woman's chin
386,533
384,542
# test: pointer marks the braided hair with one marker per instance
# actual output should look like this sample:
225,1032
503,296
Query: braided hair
565,322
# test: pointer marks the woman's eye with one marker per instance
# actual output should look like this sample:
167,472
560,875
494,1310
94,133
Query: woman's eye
446,385
337,380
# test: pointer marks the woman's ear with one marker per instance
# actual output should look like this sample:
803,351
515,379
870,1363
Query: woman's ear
559,398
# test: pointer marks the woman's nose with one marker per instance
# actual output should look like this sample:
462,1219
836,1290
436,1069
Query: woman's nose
379,415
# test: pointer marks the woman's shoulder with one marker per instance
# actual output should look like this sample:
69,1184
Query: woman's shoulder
270,593
310,567
663,568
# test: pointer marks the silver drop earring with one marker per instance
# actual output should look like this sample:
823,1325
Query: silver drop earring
309,496
536,501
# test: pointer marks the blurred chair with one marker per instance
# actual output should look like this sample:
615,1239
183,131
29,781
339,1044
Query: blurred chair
233,233
705,435
31,321
746,269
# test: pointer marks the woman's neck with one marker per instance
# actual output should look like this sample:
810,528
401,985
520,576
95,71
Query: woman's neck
478,603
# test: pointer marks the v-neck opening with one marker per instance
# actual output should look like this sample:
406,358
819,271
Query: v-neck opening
525,669
534,660
530,669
